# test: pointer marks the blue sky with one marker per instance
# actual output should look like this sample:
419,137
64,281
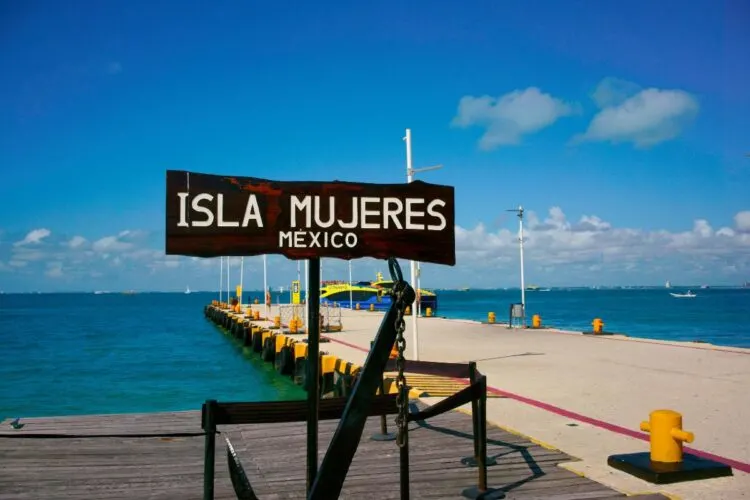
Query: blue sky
631,115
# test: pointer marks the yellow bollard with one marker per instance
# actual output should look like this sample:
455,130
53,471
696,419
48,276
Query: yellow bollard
356,306
665,462
256,315
277,321
428,312
536,321
598,325
667,436
490,317
293,325
407,311
249,312
372,307
255,301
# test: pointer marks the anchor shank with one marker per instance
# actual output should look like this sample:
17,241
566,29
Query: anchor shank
338,458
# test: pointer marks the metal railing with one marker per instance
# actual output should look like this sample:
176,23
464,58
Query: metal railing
215,414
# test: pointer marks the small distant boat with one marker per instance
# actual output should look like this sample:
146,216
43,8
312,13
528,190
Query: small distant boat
688,295
464,289
187,290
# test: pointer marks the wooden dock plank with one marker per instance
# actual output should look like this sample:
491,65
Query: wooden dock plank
273,456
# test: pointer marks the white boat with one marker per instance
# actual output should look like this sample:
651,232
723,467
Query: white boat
187,290
688,295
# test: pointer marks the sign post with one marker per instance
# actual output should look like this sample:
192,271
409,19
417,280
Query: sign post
215,215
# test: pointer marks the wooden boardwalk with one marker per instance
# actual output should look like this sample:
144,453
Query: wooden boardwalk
273,456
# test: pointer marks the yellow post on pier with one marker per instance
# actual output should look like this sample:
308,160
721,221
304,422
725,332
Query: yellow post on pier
667,436
666,462
296,292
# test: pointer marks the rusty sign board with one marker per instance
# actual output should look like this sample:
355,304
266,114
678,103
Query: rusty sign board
216,215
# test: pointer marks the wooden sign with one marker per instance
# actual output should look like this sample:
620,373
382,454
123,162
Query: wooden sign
215,215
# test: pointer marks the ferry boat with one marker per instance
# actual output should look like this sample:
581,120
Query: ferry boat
365,293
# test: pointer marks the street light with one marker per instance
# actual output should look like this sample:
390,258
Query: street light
519,212
410,171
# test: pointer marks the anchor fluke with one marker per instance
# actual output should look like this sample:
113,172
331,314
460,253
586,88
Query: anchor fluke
241,483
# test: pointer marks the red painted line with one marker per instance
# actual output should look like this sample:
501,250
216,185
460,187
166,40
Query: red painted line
735,464
347,344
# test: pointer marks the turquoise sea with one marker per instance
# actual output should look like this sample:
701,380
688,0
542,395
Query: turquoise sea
716,315
67,354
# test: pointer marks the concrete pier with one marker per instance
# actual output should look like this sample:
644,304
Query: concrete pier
586,395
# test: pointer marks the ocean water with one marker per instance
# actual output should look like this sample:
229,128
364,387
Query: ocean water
68,354
71,354
716,315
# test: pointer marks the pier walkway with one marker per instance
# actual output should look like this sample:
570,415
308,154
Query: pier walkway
586,395
273,456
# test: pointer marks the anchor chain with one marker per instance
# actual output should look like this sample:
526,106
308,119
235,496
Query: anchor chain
399,287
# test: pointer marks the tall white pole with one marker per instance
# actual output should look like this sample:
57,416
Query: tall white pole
520,246
242,276
221,278
229,295
415,307
351,293
265,283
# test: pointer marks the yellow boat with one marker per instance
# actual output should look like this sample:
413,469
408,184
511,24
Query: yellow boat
365,293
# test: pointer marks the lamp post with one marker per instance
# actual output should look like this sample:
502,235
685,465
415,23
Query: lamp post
413,268
519,212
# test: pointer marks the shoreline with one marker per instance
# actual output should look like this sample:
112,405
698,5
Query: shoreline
694,344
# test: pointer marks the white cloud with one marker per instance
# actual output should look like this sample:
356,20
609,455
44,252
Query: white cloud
594,242
742,221
559,250
124,240
506,119
33,237
54,270
76,242
647,118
